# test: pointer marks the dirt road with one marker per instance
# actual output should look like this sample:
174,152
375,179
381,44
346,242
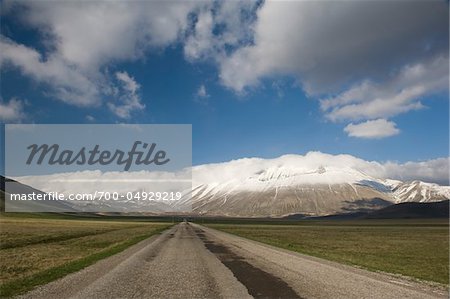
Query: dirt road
192,261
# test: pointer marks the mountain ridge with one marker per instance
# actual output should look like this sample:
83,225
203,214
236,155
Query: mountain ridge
315,184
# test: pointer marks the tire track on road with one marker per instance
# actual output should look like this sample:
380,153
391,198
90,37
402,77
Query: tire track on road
260,284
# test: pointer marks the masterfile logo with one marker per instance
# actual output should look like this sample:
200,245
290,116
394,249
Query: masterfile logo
52,153
98,168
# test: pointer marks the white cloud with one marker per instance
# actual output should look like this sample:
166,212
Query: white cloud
82,40
129,99
398,94
201,92
328,44
90,118
372,129
436,170
12,111
129,84
200,43
219,25
391,54
93,33
65,82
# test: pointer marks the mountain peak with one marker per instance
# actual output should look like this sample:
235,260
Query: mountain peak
313,184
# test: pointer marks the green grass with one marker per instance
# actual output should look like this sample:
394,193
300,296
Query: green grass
418,249
35,251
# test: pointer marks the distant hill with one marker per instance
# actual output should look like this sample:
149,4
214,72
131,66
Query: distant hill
412,210
2,193
2,201
19,206
407,210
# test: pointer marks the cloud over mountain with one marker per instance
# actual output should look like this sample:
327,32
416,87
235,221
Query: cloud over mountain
434,171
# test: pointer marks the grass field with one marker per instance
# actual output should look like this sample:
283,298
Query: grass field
419,249
36,250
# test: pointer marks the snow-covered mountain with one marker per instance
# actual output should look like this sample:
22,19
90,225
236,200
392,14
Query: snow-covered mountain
314,184
417,191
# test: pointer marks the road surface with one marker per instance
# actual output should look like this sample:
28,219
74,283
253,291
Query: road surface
192,261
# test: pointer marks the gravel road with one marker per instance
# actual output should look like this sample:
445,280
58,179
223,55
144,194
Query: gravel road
192,261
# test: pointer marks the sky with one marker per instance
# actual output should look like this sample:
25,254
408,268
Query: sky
254,78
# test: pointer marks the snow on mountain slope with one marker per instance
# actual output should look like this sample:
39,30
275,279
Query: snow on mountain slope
417,191
313,184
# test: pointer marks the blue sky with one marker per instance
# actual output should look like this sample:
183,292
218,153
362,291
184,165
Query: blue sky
249,86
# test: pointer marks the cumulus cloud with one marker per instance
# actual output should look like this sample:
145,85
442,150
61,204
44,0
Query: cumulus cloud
200,43
129,99
399,94
436,170
90,34
81,38
391,54
363,60
12,111
372,129
65,82
219,26
327,44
